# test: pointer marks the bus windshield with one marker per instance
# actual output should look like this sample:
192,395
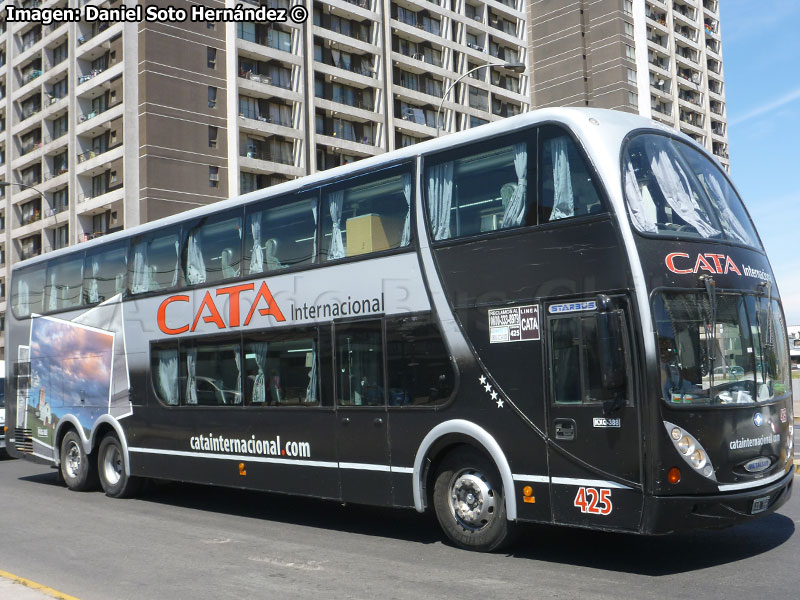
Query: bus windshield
672,189
730,349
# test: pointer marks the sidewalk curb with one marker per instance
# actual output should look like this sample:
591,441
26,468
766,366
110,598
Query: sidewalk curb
37,586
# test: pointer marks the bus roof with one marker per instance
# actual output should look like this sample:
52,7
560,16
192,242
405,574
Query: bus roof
578,119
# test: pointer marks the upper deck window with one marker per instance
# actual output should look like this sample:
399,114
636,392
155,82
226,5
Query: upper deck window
529,179
672,189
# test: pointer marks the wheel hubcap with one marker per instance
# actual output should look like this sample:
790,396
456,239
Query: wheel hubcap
73,460
112,466
472,499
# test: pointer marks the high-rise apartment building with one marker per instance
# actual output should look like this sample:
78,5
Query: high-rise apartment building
106,124
658,58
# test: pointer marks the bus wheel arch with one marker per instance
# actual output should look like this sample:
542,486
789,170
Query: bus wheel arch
448,437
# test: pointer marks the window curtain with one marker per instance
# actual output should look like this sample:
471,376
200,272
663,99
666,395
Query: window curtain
168,375
24,292
178,264
257,256
237,356
636,204
314,242
440,197
406,239
195,265
735,226
311,391
52,299
675,186
94,293
335,55
335,200
514,211
191,376
563,200
260,383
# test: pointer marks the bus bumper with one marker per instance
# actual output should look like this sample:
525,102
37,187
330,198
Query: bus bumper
667,514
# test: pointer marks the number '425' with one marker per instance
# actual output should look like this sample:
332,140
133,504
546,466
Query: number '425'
593,501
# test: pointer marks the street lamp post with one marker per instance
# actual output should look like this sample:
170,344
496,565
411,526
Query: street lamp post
516,67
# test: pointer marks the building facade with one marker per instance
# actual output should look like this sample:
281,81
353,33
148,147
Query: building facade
659,58
109,124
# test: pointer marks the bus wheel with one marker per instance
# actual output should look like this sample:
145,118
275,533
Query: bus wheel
111,467
469,502
77,469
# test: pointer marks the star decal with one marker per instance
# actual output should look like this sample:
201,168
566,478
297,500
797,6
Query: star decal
482,379
499,403
494,395
487,387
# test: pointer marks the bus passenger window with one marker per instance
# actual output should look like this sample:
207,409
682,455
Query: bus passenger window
282,372
369,216
155,262
104,273
419,371
280,235
26,296
64,282
164,367
359,364
479,193
212,374
214,249
566,185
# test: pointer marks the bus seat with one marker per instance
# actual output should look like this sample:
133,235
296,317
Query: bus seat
271,262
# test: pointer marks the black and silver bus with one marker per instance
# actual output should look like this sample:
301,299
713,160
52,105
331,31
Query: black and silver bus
562,317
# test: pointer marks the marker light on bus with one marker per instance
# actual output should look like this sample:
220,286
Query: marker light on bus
685,445
698,459
674,475
676,433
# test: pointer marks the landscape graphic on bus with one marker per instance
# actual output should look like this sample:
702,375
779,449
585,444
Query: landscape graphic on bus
71,368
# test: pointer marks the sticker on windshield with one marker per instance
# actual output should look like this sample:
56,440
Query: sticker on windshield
572,307
517,324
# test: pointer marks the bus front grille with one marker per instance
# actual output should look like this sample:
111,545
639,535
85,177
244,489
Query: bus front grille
23,440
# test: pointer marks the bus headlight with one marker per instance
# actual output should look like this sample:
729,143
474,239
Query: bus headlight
698,459
691,450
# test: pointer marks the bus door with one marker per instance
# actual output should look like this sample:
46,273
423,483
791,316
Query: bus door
362,439
593,421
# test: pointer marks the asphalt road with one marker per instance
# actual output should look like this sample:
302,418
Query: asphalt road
182,541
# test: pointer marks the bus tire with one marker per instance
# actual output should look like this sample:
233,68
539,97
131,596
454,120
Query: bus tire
77,468
111,469
469,501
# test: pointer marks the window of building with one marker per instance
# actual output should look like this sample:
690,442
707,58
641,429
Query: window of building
99,184
104,273
631,76
280,234
214,249
212,97
60,163
60,126
630,52
64,283
419,371
155,261
213,176
60,53
59,89
478,98
628,28
61,200
211,57
359,364
369,215
61,237
633,98
30,211
212,136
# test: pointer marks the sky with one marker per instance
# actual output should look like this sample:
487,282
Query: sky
761,63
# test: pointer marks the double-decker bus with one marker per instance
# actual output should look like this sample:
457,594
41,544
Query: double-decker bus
562,317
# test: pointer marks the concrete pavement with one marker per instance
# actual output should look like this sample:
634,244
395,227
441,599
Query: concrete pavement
13,587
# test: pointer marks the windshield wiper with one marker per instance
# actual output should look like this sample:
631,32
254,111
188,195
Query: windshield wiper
711,332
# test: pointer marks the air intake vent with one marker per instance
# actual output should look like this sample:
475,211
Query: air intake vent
23,440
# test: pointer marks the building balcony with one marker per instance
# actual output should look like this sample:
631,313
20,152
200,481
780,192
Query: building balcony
264,126
100,40
95,123
265,163
87,82
262,86
93,162
90,202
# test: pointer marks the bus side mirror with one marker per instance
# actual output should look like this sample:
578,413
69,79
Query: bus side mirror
611,351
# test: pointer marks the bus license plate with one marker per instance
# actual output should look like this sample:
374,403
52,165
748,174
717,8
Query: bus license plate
760,505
